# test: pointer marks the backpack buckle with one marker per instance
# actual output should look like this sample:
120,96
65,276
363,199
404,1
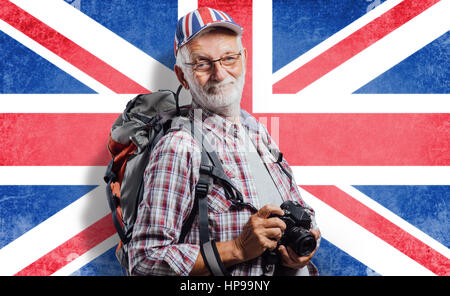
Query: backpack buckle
202,189
206,169
109,174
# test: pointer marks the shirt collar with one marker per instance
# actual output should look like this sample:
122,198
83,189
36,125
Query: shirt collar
220,126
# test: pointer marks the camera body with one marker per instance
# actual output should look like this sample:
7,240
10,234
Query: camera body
298,224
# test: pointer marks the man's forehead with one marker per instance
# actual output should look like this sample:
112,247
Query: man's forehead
200,53
213,43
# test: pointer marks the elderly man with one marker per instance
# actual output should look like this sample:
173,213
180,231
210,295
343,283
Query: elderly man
210,63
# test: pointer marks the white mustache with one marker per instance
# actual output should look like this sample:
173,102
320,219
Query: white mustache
210,85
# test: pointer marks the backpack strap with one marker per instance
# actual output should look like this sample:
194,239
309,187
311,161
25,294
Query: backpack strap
208,247
210,168
114,203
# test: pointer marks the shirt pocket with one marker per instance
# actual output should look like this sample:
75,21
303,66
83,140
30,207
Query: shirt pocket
217,201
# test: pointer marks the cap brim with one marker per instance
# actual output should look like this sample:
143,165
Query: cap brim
233,27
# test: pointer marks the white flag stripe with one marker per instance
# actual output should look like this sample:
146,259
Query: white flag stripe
398,221
385,53
360,243
71,103
115,103
334,39
262,55
54,231
64,103
101,42
371,175
87,257
304,175
52,175
186,6
53,58
358,103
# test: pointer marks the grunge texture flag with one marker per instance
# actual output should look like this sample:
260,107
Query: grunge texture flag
355,92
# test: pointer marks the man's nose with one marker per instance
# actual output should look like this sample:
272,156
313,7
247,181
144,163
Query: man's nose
218,72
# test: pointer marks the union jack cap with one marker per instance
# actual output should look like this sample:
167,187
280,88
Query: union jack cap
195,21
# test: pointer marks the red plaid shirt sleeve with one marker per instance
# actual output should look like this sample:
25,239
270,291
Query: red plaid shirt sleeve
167,201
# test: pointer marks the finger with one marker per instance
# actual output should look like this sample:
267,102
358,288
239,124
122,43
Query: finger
270,244
285,257
316,233
275,222
292,254
268,210
296,257
273,233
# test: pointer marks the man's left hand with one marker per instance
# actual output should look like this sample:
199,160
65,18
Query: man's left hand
290,259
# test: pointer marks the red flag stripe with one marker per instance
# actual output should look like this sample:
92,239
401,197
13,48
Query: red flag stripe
55,139
306,139
350,46
364,139
77,245
68,50
382,228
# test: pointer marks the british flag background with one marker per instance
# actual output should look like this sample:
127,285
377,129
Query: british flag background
355,92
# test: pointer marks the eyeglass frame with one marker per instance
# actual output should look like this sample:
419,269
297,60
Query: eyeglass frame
211,62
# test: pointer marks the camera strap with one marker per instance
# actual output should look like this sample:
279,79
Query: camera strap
265,186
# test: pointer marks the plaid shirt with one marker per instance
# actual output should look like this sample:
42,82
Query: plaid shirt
170,179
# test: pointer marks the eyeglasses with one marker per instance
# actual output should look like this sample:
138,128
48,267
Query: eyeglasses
204,65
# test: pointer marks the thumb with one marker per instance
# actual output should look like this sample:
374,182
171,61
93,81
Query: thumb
269,209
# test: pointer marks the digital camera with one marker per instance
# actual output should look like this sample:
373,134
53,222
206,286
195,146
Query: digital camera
298,224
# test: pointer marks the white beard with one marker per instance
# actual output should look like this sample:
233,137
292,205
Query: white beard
223,98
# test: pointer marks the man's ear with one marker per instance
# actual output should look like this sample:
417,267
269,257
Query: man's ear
180,76
244,53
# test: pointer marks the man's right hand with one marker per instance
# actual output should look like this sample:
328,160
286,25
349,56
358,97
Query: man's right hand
260,233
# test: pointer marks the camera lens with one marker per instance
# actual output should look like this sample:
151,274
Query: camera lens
302,241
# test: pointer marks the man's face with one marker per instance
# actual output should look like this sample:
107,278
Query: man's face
212,46
221,87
